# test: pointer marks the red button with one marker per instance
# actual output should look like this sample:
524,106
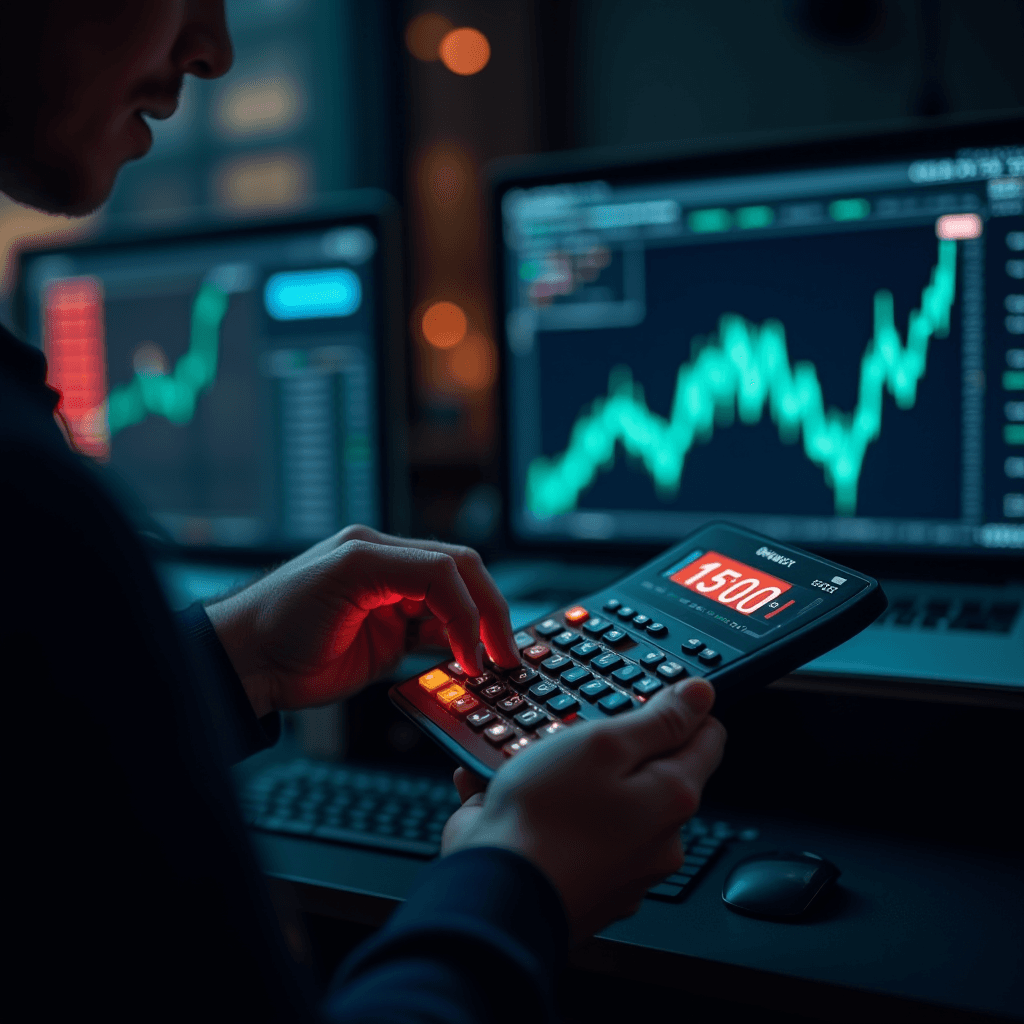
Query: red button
463,705
538,652
577,614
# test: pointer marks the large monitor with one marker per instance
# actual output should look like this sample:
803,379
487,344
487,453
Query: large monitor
245,383
822,340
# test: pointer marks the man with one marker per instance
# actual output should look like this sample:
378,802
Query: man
134,892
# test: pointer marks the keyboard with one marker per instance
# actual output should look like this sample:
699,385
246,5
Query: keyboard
934,612
401,813
382,810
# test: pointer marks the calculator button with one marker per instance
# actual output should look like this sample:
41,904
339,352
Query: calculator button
478,719
566,639
538,652
498,733
671,670
664,891
596,626
614,703
463,705
627,673
607,661
693,645
522,677
523,639
650,657
641,620
625,612
611,605
494,692
657,628
575,676
594,690
477,683
434,680
540,692
516,747
577,614
646,686
708,656
583,651
531,718
563,704
556,664
550,729
450,693
549,627
512,704
615,636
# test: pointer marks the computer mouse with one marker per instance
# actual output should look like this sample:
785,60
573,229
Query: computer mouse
778,884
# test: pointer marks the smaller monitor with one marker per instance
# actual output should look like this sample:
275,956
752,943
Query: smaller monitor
245,383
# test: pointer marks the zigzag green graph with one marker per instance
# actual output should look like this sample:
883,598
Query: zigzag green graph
173,395
740,368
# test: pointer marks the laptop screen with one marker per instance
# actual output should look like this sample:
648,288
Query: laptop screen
229,379
822,342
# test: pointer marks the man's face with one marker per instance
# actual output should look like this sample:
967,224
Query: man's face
77,78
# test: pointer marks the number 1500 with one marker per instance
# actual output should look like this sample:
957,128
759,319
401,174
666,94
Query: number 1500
744,593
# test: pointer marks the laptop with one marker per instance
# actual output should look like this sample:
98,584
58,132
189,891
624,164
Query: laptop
819,338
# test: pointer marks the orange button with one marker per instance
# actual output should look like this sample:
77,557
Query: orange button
577,614
450,693
434,680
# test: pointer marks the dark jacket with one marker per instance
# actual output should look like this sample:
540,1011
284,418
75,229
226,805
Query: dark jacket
133,891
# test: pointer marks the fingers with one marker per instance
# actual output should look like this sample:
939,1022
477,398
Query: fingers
495,624
468,784
666,722
373,575
676,783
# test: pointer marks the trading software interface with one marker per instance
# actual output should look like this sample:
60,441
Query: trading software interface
229,381
832,355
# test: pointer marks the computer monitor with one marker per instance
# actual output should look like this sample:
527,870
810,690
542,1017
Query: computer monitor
822,340
246,383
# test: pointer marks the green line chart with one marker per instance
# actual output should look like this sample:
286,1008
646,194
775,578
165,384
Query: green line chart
742,368
173,395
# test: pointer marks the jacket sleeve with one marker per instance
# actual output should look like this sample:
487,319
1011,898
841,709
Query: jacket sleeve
480,939
241,733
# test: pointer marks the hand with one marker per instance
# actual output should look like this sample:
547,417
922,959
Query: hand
341,614
598,807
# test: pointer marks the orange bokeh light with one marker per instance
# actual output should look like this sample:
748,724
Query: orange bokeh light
465,51
444,324
474,364
424,33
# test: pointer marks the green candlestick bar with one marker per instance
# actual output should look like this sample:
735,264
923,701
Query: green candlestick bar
173,395
743,367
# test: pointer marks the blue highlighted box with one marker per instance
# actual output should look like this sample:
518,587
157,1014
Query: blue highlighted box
313,294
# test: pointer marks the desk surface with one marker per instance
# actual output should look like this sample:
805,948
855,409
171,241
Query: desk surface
913,932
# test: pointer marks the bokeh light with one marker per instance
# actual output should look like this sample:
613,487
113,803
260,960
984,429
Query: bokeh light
262,181
465,51
444,324
424,33
259,106
474,362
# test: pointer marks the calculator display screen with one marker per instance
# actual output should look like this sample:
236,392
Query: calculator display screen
743,591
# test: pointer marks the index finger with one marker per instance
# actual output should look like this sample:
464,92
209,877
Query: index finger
495,624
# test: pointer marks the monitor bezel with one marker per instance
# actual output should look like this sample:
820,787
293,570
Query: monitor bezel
372,208
912,139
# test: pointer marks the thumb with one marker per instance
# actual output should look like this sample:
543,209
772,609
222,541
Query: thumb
667,721
468,784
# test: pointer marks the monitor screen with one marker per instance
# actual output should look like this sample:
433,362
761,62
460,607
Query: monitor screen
824,343
229,379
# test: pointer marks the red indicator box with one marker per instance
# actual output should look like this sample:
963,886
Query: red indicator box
731,583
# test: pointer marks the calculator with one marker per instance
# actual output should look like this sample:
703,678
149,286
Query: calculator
735,607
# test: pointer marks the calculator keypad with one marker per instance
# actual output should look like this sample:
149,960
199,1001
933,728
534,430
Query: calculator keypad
578,664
